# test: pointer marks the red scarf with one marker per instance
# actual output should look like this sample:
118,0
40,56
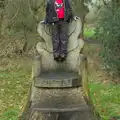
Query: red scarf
59,8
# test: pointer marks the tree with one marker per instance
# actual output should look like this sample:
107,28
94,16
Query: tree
2,8
108,32
80,9
21,19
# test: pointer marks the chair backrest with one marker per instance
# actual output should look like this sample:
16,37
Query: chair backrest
75,45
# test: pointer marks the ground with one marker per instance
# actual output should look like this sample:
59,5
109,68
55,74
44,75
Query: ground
105,93
15,79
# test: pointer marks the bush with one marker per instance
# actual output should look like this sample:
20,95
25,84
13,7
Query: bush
108,32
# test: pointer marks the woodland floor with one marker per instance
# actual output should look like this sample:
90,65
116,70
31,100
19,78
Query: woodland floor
15,81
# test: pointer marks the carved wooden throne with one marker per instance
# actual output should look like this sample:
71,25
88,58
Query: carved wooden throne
57,88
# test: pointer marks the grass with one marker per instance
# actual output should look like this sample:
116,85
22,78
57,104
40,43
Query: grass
106,98
11,114
15,82
14,85
89,32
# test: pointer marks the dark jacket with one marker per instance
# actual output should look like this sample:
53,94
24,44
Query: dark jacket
51,15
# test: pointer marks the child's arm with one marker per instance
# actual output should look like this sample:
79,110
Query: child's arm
46,10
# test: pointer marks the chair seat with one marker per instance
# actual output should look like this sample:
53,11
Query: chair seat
58,79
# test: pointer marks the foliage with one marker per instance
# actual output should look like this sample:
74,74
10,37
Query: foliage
89,32
108,32
106,98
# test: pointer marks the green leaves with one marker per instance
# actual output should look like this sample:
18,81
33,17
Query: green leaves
108,31
89,33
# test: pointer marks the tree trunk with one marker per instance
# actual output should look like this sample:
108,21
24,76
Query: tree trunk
2,6
80,10
1,22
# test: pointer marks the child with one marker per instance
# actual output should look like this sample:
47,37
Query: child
59,13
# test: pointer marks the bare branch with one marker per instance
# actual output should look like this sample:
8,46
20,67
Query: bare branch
32,12
11,21
38,8
5,6
15,14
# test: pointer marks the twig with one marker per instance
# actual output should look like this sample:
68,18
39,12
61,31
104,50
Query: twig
32,12
15,14
4,8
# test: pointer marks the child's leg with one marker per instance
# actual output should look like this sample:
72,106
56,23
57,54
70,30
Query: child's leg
55,40
63,38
